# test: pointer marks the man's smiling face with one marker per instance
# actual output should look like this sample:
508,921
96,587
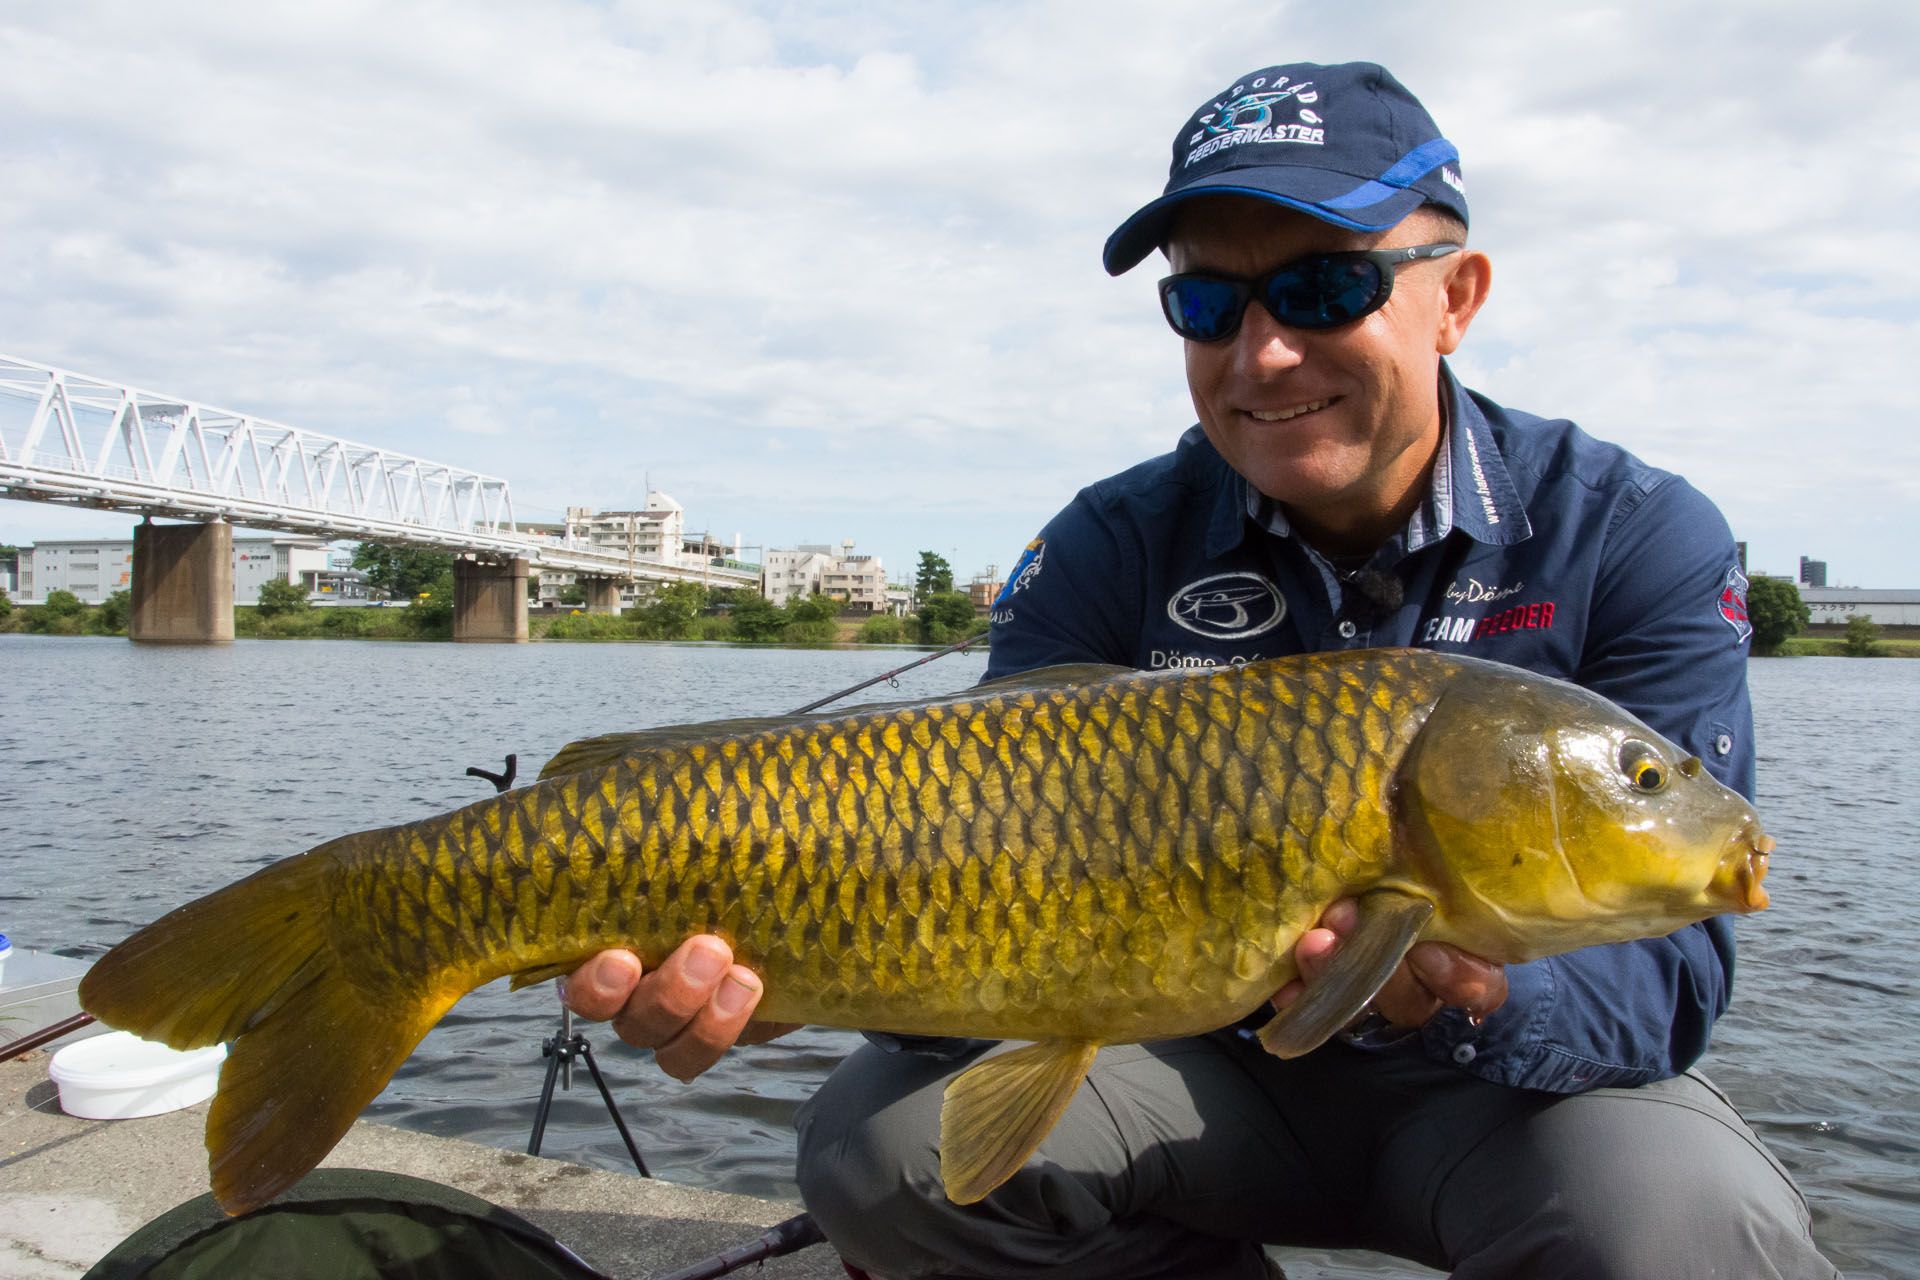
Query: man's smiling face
1340,424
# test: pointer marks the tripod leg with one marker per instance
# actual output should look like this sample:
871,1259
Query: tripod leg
554,1050
586,1051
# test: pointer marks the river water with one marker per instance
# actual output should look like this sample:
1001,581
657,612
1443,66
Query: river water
133,778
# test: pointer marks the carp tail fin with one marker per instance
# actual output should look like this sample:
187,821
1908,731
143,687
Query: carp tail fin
253,965
997,1112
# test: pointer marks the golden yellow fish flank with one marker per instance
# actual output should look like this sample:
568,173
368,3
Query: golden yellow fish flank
1075,857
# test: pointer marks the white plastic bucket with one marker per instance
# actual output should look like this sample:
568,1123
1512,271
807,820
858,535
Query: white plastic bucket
118,1076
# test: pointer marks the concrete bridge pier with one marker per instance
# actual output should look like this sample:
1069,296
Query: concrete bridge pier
603,594
490,602
182,590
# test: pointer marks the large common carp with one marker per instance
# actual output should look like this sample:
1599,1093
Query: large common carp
1074,857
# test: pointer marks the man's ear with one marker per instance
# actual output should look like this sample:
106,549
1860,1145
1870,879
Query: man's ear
1468,279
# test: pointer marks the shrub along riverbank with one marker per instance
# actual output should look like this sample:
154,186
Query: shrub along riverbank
287,616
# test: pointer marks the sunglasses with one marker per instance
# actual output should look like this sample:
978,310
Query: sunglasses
1320,291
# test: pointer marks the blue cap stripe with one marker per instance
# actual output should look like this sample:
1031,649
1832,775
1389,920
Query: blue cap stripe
1406,171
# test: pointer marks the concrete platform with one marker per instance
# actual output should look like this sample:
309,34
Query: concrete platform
71,1189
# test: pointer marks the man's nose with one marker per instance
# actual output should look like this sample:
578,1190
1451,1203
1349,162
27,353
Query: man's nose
1264,346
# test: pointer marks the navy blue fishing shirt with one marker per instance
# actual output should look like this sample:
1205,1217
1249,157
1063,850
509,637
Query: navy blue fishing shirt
1536,545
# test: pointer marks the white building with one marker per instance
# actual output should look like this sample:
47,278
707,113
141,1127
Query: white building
95,568
1888,607
858,582
655,534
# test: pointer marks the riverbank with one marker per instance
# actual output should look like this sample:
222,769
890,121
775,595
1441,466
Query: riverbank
72,1189
769,628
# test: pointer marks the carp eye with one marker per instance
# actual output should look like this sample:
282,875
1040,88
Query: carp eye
1643,766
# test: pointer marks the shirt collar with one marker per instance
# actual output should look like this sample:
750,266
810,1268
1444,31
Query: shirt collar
1470,489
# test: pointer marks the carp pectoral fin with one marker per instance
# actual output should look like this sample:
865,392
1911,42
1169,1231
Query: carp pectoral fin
996,1112
1390,923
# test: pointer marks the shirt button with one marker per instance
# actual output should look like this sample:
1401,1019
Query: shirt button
1348,631
1723,744
1464,1053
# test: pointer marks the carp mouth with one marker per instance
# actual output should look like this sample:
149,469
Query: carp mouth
1737,879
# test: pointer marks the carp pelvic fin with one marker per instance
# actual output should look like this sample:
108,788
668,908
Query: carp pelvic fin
996,1113
1390,923
253,964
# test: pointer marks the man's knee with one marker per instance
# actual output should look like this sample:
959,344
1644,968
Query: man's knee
868,1157
1666,1181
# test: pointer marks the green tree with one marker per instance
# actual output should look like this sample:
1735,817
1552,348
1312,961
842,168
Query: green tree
813,608
670,613
1777,612
933,577
755,618
6,604
1862,636
61,604
401,572
114,612
431,611
884,629
945,617
278,596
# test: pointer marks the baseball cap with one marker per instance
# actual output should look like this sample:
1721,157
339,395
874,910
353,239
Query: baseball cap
1346,143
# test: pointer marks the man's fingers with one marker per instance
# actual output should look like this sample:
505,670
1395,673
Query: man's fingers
669,997
598,989
1458,978
714,1028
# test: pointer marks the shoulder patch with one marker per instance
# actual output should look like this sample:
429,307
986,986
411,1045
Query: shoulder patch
1733,603
1024,572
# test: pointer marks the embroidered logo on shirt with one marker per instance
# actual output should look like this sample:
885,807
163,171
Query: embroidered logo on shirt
1474,591
1733,603
1449,629
1024,572
1228,606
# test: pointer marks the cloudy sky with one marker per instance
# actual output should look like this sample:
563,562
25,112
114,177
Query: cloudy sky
831,270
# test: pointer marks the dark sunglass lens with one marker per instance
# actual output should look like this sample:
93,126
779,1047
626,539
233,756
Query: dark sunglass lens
1204,310
1322,293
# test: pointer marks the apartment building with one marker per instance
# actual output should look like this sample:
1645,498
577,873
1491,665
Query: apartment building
859,582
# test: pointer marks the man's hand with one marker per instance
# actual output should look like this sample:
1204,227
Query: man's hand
689,1011
1433,976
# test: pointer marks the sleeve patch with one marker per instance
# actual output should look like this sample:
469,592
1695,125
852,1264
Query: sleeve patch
1733,602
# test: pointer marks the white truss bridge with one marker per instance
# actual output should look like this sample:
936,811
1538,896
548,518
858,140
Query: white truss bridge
85,442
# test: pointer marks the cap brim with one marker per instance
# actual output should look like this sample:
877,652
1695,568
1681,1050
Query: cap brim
1146,230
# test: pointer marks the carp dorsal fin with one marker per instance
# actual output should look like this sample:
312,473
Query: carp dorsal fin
1390,923
598,752
595,753
1065,675
997,1111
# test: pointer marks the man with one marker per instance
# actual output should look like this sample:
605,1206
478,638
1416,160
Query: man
1341,490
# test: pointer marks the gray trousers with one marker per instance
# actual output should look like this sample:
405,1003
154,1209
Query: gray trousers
1182,1158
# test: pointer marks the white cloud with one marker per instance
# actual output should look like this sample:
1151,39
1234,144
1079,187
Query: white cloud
828,271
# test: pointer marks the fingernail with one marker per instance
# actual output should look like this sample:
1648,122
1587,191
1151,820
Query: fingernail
704,964
733,996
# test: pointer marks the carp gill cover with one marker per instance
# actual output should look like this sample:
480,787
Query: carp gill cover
1074,857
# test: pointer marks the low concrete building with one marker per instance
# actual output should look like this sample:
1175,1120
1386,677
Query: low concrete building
1888,607
858,582
95,568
